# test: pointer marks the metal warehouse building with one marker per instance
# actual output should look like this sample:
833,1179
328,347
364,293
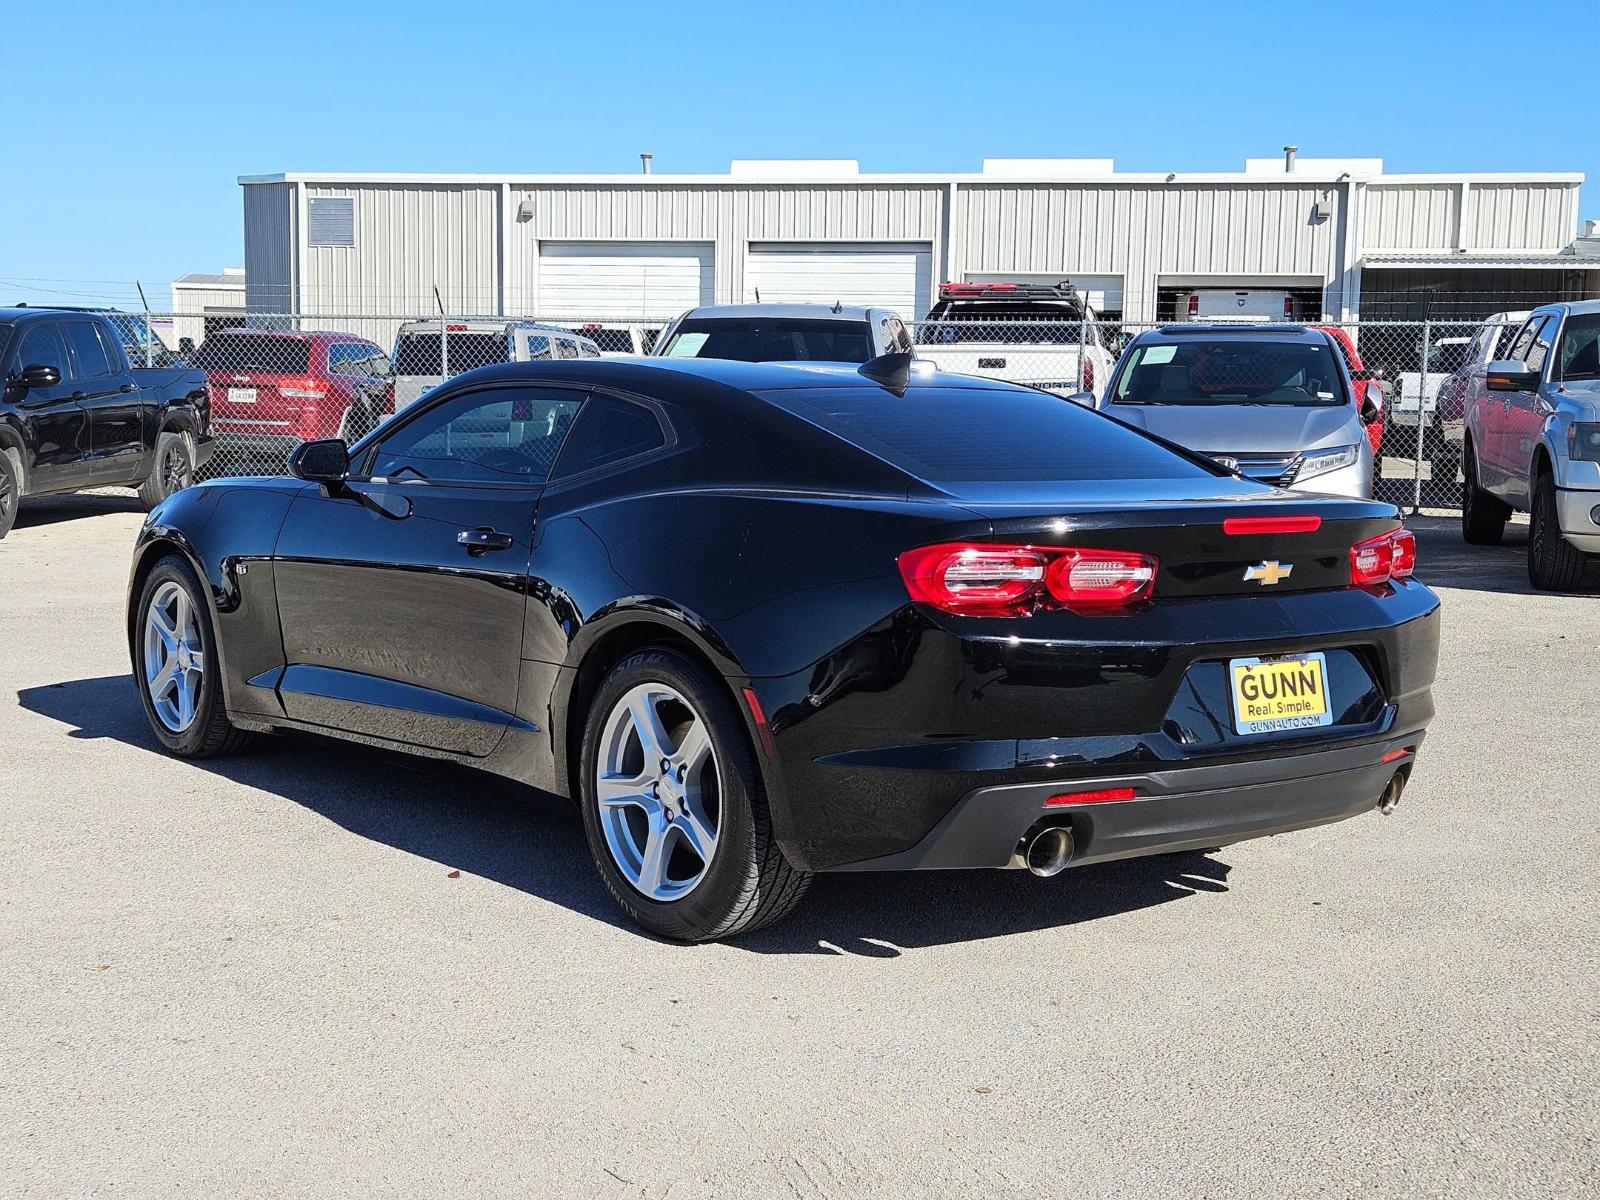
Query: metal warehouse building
1339,232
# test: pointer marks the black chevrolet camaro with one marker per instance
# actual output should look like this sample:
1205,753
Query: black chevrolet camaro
760,621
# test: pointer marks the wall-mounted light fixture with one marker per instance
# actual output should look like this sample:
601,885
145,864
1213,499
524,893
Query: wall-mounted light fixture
525,211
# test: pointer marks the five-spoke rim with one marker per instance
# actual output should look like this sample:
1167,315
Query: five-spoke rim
175,470
656,785
174,656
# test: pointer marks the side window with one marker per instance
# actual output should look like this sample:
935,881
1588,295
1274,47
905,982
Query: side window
1502,344
88,352
566,349
41,346
612,431
647,340
1541,345
588,350
497,435
538,346
1523,346
355,358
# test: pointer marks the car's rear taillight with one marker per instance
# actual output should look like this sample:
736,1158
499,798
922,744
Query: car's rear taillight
1194,304
1388,556
1088,375
1288,308
982,579
303,389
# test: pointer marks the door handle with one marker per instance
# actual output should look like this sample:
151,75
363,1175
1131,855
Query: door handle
480,541
128,387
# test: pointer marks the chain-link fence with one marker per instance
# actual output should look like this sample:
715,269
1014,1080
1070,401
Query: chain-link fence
275,380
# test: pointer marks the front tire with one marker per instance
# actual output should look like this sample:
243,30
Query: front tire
176,668
172,471
673,805
1554,564
1483,517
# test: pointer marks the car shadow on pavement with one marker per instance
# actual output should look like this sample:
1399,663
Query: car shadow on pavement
1444,560
522,838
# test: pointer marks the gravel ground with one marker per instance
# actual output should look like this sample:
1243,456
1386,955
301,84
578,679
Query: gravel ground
317,971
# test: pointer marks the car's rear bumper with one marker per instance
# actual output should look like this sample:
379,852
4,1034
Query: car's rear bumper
250,447
1184,808
1576,510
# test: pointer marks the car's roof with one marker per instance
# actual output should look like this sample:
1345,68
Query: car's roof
1577,307
298,335
1289,334
745,376
491,325
788,312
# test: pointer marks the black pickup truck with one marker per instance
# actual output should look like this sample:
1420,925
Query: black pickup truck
76,414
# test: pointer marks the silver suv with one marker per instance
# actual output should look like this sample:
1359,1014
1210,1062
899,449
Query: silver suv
1273,403
1532,443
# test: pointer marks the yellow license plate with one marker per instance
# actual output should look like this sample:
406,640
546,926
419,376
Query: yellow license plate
1274,694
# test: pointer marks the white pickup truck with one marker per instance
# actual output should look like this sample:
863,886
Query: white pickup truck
1041,335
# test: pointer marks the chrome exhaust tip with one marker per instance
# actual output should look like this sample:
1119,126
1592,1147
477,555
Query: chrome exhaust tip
1049,851
1390,799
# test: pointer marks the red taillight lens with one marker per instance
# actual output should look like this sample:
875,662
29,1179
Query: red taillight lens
1098,796
1088,375
1194,305
986,580
1383,558
304,388
1288,306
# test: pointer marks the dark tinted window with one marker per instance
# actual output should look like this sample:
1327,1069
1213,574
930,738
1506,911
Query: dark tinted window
41,346
422,354
623,431
499,435
1580,348
1050,322
610,341
945,434
1230,370
260,352
357,358
758,339
1540,350
92,358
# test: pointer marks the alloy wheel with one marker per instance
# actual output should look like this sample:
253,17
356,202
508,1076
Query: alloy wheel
656,787
174,657
175,472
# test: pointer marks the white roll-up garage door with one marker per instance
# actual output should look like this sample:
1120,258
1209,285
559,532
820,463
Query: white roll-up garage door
622,280
889,275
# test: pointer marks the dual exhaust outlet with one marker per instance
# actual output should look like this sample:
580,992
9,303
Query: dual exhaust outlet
1048,850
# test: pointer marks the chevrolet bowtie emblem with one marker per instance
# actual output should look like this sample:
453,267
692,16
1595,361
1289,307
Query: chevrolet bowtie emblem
1270,572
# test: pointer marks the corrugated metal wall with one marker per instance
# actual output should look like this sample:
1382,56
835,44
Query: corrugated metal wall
199,301
729,217
1410,216
1519,216
269,247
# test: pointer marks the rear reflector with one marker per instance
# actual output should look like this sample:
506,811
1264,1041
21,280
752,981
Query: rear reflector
1098,796
984,579
1396,755
1244,525
763,730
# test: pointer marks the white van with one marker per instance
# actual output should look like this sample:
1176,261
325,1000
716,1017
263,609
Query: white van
1252,306
426,353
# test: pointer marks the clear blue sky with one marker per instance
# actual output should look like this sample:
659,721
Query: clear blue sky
129,123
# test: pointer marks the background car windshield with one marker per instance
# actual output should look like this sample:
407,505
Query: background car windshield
254,352
1230,371
775,340
1580,348
422,354
949,434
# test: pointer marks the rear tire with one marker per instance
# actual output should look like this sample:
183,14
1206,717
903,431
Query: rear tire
171,472
10,489
747,882
186,714
1554,564
1483,517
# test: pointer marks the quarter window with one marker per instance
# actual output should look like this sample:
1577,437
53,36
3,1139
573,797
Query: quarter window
498,435
1540,349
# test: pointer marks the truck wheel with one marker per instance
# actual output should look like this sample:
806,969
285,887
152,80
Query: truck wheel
172,471
10,490
1483,517
1554,564
673,805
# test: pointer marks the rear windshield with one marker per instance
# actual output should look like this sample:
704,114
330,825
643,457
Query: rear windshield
616,341
424,353
950,434
1231,370
760,339
254,352
1043,322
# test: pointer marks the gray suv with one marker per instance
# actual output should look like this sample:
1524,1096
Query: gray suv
1532,443
1273,403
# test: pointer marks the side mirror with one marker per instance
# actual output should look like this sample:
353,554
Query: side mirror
324,461
39,376
1084,398
1371,410
1510,375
